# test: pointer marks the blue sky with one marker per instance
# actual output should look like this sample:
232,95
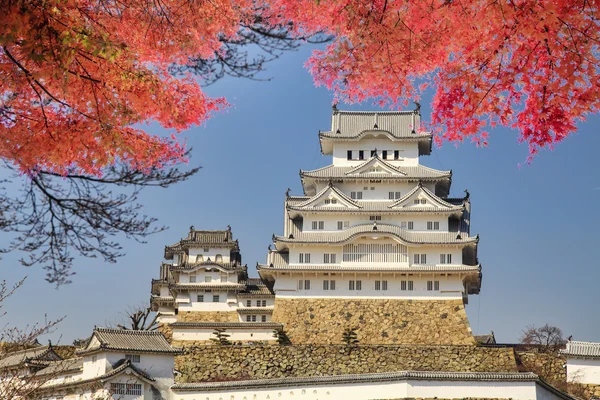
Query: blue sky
538,224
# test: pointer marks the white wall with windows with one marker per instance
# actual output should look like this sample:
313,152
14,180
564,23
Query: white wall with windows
374,285
374,189
331,222
408,152
200,254
204,276
249,302
209,301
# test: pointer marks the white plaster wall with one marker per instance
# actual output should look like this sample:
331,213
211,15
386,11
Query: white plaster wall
331,220
227,302
215,276
211,253
94,368
409,151
583,371
242,301
237,334
381,390
317,252
451,287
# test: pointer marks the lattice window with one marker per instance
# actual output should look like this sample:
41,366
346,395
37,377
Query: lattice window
375,253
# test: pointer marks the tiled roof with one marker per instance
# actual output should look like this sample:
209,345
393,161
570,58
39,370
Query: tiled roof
120,367
437,269
255,287
255,310
208,286
129,340
407,236
63,367
351,124
415,172
582,349
195,238
17,358
228,325
486,339
232,266
355,378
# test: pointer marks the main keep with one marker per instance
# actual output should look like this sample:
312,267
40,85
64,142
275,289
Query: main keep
375,244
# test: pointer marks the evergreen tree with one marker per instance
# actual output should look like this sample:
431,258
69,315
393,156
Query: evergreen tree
221,338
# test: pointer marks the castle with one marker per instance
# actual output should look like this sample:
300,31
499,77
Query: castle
362,297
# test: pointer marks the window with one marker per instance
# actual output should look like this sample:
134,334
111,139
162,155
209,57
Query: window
375,217
264,303
248,303
384,285
304,258
403,285
300,284
361,155
356,195
403,224
381,285
330,201
329,258
411,225
410,285
436,285
199,258
325,285
435,225
350,285
208,279
131,389
416,201
377,285
358,285
331,285
340,225
320,225
445,258
215,298
420,258
349,154
250,318
306,284
384,154
429,285
365,188
263,318
200,298
134,358
423,201
206,249
192,278
346,224
372,187
219,258
396,154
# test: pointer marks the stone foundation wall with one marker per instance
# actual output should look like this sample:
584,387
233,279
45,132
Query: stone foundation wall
208,316
378,321
213,362
590,391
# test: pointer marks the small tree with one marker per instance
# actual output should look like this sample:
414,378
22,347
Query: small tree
221,338
547,338
281,337
350,337
138,318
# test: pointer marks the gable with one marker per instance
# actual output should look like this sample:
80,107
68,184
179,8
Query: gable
375,166
330,196
421,197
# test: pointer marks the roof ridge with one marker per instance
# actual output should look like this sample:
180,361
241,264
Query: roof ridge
127,331
46,347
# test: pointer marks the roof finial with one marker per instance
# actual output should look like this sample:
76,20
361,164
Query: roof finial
191,228
417,107
287,192
229,228
375,126
467,194
269,247
375,225
334,108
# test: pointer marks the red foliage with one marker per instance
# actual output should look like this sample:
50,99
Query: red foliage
531,65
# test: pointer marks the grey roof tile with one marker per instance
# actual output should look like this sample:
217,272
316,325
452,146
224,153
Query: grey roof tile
16,358
70,365
229,325
408,236
582,349
352,124
412,173
129,340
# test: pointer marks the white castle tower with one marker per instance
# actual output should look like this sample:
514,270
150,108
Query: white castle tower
376,238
